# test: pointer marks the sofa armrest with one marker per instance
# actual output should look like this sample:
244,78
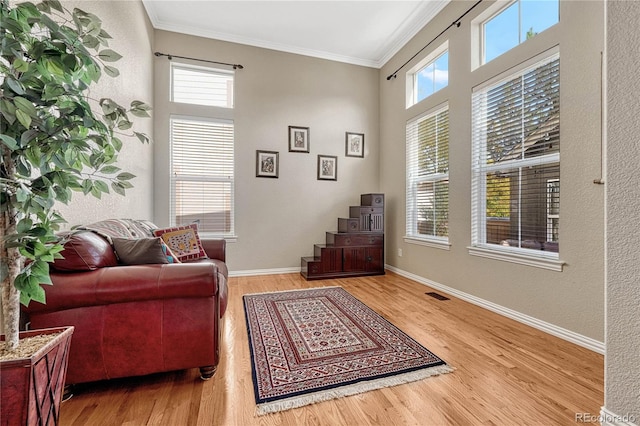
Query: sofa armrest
215,249
124,284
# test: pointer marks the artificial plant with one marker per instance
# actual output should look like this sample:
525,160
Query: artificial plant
54,137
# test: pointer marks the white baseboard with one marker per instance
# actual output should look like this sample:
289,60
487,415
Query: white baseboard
274,271
549,328
608,418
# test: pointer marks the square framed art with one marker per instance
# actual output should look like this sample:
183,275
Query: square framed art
354,144
298,139
327,167
267,164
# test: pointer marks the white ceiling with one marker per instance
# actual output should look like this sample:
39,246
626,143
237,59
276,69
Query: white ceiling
359,32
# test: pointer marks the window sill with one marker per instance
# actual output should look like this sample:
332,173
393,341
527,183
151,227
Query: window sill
227,238
527,260
433,243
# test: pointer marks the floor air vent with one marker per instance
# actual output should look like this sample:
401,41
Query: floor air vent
436,295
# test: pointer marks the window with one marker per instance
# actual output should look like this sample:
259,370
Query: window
516,161
202,174
201,86
428,176
429,76
201,136
516,23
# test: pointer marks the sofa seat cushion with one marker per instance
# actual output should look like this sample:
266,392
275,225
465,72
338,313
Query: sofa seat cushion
85,251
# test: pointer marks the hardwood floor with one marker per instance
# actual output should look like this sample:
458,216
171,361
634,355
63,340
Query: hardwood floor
506,373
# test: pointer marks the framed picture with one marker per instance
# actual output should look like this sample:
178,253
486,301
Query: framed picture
267,164
327,167
298,139
354,144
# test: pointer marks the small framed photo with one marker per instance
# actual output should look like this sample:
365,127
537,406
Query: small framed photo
327,167
298,139
267,164
354,144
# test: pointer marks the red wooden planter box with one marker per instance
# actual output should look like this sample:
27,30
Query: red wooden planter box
32,388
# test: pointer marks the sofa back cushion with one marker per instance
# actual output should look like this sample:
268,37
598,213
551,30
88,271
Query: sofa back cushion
85,251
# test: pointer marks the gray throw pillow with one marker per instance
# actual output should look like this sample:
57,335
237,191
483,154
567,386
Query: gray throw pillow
139,251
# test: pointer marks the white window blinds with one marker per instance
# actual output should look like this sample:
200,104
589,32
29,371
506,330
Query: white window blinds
201,86
428,176
516,161
202,174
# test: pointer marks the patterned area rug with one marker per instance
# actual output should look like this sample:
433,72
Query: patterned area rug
323,343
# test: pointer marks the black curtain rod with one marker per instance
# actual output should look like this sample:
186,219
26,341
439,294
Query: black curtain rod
170,56
456,23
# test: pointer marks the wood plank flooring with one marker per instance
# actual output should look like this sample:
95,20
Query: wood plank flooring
505,373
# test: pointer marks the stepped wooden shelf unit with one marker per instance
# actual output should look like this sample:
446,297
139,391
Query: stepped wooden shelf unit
356,249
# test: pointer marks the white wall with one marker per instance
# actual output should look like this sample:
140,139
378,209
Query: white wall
622,358
133,39
572,299
278,220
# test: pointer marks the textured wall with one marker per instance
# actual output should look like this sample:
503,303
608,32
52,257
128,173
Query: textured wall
572,299
622,370
127,23
278,220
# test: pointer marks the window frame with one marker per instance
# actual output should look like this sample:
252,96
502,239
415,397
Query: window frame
230,100
479,246
478,37
198,112
412,74
411,227
229,236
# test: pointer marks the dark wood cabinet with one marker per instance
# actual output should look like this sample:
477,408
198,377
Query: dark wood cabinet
356,249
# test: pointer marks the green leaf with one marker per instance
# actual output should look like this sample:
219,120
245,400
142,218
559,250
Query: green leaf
23,118
8,110
117,188
87,186
15,85
93,72
96,192
24,225
20,65
116,143
142,137
108,106
100,185
90,41
55,4
140,113
28,136
105,34
109,170
125,125
30,289
109,55
125,176
111,71
40,269
54,67
25,106
9,142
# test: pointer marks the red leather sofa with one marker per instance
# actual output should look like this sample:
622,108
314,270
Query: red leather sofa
133,320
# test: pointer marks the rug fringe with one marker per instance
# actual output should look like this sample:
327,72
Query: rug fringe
292,290
356,388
